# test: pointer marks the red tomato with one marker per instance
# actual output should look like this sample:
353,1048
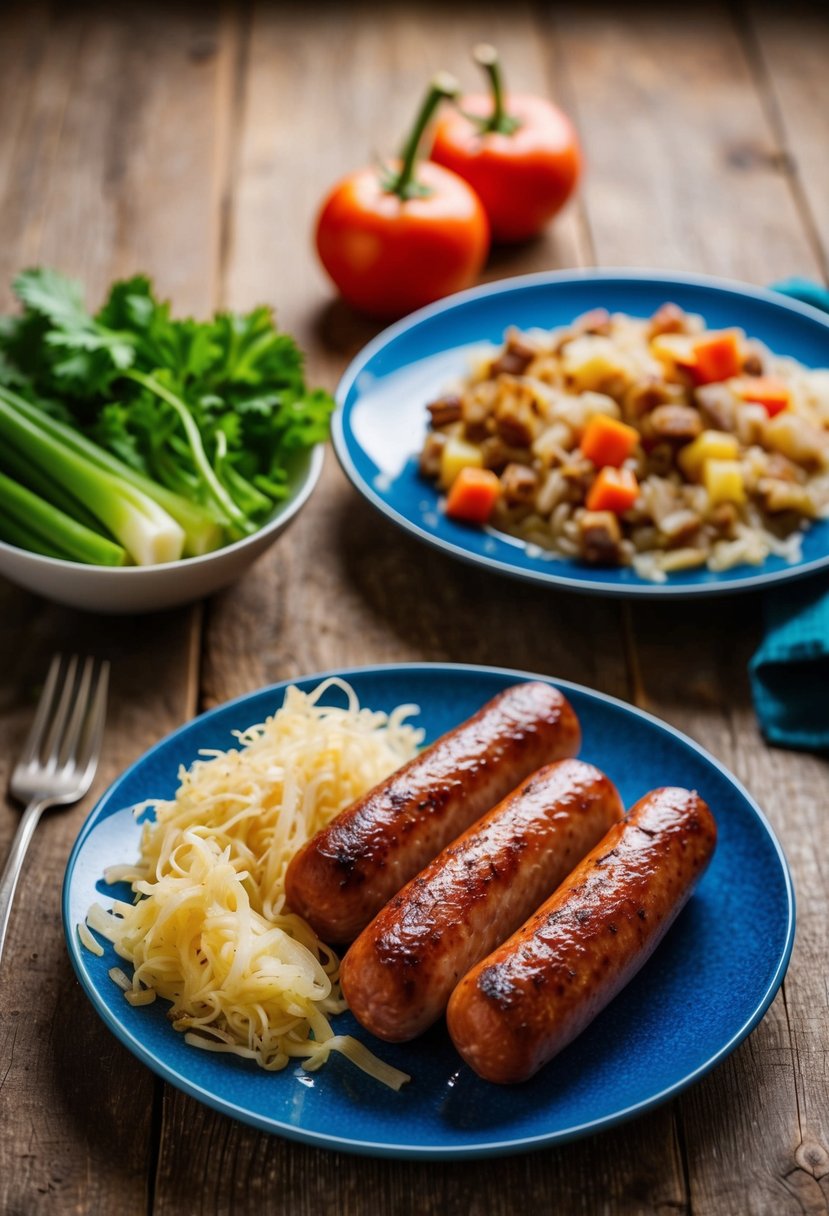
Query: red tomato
389,255
524,169
397,237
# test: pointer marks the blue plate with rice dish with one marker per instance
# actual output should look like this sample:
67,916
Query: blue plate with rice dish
381,419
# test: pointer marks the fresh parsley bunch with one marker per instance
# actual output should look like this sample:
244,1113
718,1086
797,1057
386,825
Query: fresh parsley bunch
215,412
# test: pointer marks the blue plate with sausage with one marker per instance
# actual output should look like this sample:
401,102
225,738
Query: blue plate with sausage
381,419
704,989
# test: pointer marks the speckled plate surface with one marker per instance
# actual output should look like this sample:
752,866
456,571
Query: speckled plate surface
381,418
703,991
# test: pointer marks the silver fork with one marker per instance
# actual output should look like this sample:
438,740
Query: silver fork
60,756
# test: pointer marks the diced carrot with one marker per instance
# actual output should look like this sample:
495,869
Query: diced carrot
773,394
613,490
473,495
718,356
606,441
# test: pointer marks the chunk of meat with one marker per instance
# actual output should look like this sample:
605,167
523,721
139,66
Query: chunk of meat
645,395
515,358
681,526
517,419
445,410
717,404
776,496
668,319
518,484
725,518
675,422
595,321
430,454
600,538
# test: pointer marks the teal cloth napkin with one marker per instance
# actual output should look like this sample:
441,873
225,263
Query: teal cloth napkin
789,672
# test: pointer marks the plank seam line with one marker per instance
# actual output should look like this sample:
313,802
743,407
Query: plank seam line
636,683
565,94
230,154
156,1135
793,1055
770,105
4,1078
51,189
682,1148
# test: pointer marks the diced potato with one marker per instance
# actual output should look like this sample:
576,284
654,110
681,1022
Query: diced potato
799,440
457,454
674,349
723,479
710,445
592,361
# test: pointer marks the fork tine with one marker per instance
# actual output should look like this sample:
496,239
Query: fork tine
69,743
43,713
55,734
97,716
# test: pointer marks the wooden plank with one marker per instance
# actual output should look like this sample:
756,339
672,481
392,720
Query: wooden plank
97,181
246,1172
684,171
790,49
695,130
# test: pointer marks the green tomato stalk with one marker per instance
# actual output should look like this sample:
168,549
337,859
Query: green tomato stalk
403,183
499,120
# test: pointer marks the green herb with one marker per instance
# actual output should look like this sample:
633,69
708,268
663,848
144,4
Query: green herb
204,418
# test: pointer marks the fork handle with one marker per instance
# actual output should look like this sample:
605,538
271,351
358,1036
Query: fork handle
14,864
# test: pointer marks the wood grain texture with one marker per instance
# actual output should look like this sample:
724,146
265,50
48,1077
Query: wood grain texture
195,142
790,49
677,139
245,1172
96,180
679,74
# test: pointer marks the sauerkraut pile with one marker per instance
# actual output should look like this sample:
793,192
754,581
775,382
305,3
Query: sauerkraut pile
208,930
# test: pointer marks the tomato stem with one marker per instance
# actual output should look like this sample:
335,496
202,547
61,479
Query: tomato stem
499,120
403,184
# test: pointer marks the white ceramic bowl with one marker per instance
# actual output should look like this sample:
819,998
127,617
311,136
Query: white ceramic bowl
152,588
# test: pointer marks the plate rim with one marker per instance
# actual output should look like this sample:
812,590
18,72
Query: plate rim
431,1151
563,581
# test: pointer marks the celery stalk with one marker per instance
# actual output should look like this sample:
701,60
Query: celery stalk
202,532
17,534
17,466
52,526
146,531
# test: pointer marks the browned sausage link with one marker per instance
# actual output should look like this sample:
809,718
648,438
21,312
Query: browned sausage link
342,877
520,1006
400,972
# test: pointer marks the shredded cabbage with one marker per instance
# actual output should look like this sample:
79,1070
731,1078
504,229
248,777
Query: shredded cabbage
209,931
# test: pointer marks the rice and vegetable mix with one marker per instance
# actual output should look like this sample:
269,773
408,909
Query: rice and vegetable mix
623,441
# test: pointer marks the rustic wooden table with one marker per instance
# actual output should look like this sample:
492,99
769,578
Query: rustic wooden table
194,143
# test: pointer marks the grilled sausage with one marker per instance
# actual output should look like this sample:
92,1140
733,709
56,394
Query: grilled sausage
520,1006
400,972
345,874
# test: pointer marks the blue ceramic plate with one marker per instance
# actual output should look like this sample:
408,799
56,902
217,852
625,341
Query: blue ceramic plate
705,988
380,421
